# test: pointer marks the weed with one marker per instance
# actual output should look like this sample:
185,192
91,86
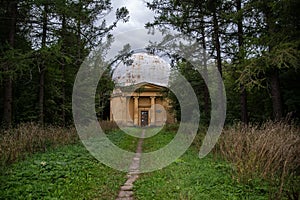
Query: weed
191,178
108,126
67,172
270,151
27,139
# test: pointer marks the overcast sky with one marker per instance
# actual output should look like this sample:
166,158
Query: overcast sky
133,32
138,12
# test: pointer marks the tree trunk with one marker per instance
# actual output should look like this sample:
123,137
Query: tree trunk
205,89
276,95
63,116
217,41
41,95
220,93
8,83
243,92
42,67
63,86
273,72
244,107
79,34
8,98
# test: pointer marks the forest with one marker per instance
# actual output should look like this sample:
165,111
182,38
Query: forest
43,44
255,44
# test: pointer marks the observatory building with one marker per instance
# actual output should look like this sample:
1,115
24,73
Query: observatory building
138,98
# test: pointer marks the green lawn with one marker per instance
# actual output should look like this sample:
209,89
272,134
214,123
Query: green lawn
192,178
70,172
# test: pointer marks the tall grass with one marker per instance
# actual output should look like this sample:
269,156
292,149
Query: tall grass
26,139
270,151
108,126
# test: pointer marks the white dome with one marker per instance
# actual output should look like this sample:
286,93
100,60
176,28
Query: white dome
143,68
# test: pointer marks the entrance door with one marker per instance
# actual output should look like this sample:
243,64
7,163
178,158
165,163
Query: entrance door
144,118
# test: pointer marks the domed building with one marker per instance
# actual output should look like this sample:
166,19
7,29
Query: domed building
138,99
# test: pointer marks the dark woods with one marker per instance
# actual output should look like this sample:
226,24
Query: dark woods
255,44
256,47
43,44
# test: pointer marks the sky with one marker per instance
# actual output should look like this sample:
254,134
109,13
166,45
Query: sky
138,12
132,32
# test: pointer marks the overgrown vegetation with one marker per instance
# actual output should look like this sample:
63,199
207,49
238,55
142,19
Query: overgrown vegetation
269,151
191,178
253,162
108,126
30,138
26,139
263,158
68,172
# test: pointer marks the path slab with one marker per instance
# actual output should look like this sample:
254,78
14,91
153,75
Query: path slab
126,192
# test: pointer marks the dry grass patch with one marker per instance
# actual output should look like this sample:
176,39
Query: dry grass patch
108,125
26,139
270,151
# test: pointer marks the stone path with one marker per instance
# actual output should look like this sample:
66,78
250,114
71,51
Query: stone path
126,192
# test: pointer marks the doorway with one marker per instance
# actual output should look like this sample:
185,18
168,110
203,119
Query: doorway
144,118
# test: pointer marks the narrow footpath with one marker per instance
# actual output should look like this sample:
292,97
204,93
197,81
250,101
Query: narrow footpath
126,192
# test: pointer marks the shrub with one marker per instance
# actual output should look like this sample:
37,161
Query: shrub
171,127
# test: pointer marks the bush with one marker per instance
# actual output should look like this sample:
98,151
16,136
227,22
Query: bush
270,151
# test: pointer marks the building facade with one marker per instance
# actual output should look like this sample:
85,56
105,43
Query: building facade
138,99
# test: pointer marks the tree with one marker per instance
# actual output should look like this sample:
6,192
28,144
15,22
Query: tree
39,58
11,12
276,35
257,40
198,19
241,57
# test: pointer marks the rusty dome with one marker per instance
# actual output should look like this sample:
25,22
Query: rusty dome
141,68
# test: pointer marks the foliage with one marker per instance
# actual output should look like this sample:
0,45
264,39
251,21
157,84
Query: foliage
29,138
269,151
259,44
191,178
26,139
198,85
68,172
43,44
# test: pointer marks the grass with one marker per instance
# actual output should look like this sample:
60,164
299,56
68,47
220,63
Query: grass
68,172
191,178
158,141
270,151
29,138
254,162
64,173
26,139
123,140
